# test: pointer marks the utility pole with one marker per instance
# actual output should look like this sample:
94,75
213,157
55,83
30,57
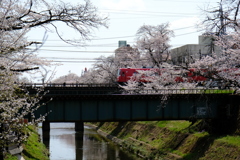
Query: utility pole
222,27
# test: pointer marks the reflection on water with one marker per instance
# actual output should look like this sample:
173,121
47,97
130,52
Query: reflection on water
66,144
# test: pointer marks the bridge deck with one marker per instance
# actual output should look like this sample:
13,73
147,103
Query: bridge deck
104,102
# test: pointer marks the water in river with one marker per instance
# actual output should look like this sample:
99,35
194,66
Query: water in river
66,144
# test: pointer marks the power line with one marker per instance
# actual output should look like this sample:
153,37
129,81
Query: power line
155,15
113,37
118,37
69,58
187,33
184,28
148,12
190,1
74,61
76,51
97,45
101,45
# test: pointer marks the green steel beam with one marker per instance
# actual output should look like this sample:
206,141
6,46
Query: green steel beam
131,108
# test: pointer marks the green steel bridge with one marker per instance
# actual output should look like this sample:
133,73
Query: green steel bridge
105,102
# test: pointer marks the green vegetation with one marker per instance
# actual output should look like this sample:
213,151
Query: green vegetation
34,149
175,140
217,91
10,157
233,140
171,125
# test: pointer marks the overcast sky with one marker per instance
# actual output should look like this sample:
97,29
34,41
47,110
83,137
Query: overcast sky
125,18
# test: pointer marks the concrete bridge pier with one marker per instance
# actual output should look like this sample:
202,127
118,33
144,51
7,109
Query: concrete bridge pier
46,126
79,126
79,144
46,138
46,133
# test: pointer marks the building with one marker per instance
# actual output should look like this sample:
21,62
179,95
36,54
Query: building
190,52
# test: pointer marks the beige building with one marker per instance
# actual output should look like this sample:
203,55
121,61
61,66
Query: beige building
190,52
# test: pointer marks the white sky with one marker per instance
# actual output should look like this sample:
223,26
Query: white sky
125,18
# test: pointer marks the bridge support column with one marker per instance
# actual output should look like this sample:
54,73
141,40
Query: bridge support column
79,126
46,126
79,145
46,138
46,133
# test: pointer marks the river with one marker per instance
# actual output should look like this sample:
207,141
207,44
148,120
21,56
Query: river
66,144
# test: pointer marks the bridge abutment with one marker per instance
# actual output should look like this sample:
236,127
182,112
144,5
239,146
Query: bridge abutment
79,126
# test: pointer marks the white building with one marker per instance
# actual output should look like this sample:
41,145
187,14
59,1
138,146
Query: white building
188,53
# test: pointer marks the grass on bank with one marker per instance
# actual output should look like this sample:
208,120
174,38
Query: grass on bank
224,143
11,157
166,140
176,126
34,149
233,140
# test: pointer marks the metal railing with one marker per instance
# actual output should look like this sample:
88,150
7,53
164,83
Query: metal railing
68,85
102,88
180,91
143,92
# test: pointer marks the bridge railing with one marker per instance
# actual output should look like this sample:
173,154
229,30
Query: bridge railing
145,92
180,91
68,85
111,89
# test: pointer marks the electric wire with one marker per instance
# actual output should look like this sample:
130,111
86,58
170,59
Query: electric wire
74,61
190,1
147,12
105,52
77,51
153,15
67,58
101,45
115,37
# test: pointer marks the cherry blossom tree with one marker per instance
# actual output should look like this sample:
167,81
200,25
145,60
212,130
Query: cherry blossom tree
104,71
223,18
17,54
92,77
153,43
222,68
127,56
105,68
152,49
69,78
223,25
28,14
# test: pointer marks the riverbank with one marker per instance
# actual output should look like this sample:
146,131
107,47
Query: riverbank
33,148
173,140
